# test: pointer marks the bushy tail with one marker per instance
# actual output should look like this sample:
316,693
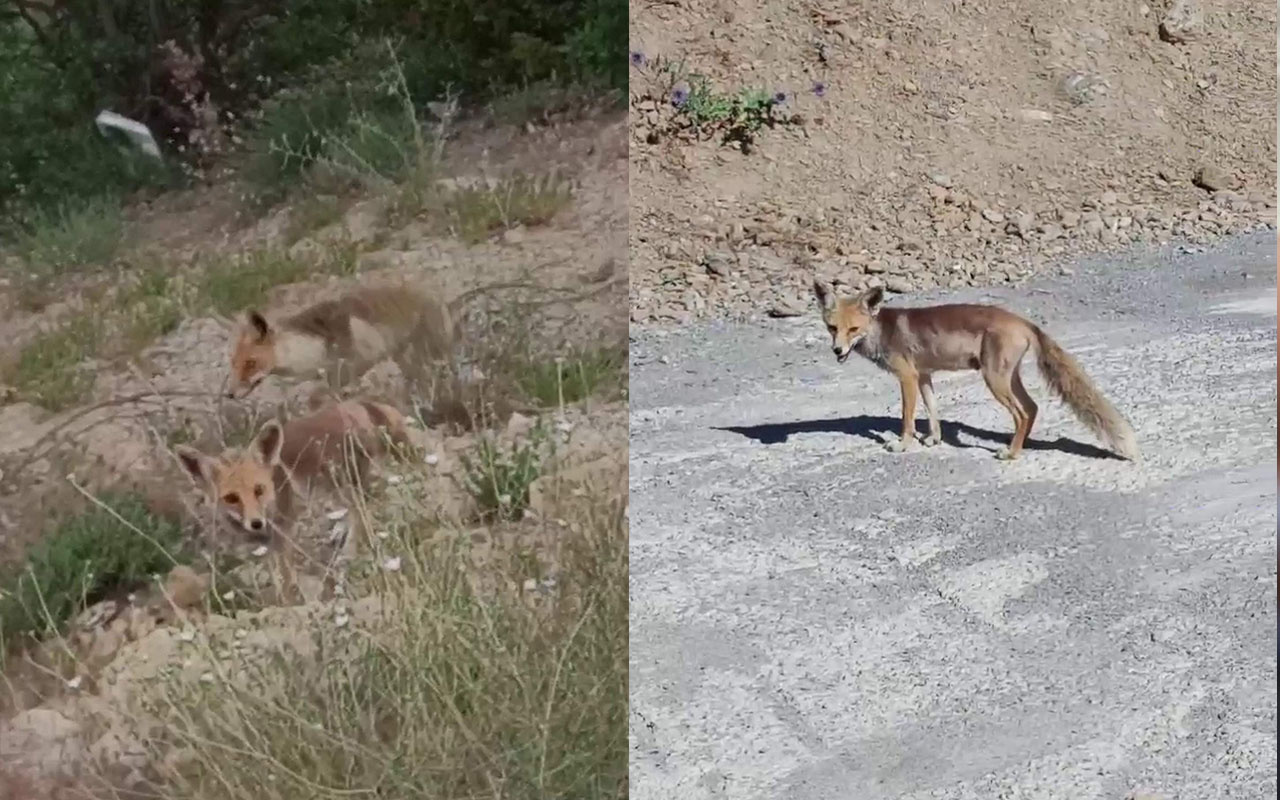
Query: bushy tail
1067,379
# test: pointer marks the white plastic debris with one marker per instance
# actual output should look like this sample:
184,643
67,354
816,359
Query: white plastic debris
337,514
137,133
432,459
260,551
75,682
392,564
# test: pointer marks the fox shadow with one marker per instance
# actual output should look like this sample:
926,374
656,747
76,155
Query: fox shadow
881,429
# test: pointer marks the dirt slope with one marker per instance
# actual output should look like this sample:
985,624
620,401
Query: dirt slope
954,143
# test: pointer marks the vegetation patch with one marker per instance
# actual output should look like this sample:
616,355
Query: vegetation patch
571,379
499,478
455,690
114,547
51,370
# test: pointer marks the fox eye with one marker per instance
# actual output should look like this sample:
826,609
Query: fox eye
258,490
832,329
231,499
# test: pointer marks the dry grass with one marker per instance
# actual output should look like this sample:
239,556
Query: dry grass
466,684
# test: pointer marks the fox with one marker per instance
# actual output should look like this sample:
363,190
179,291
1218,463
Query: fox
339,338
344,337
913,343
257,489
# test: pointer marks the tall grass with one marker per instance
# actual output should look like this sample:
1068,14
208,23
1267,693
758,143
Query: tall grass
456,688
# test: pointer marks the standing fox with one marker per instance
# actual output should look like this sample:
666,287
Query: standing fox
343,337
346,336
913,343
256,488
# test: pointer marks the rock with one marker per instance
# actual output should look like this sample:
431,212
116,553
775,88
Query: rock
787,307
519,425
42,744
184,588
1034,115
1183,21
718,264
992,216
941,179
898,284
1211,178
1021,223
1050,232
1069,219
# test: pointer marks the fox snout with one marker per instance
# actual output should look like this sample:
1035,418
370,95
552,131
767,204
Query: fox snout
257,528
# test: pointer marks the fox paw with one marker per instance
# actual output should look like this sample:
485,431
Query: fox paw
895,446
1006,455
931,440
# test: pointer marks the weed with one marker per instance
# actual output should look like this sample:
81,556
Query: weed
235,283
454,690
736,115
72,237
311,213
83,559
50,369
150,307
473,213
499,479
569,380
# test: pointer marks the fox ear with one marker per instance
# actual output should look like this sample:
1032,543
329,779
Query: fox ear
872,298
197,464
258,323
270,440
825,294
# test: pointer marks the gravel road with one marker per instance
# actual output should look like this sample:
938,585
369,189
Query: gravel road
814,617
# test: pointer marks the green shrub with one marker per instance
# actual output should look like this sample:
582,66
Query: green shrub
83,559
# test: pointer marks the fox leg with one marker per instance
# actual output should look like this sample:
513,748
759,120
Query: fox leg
926,394
1000,384
1029,409
910,385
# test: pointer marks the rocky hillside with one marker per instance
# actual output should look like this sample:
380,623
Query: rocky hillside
921,145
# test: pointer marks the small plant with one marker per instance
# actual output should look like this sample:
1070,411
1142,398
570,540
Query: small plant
72,237
312,213
474,213
736,115
499,480
739,115
50,369
114,547
150,307
570,380
242,280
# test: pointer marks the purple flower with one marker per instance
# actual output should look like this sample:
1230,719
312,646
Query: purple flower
779,98
679,97
638,59
819,88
